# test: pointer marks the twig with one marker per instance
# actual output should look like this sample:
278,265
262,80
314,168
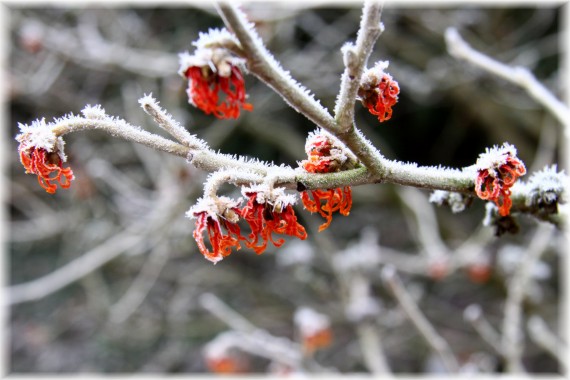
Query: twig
541,335
474,315
520,76
141,286
266,68
436,341
355,60
512,340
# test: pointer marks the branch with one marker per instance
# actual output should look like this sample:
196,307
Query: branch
517,75
541,335
436,341
512,340
355,60
262,64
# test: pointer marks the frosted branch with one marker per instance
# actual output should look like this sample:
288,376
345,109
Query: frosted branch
263,65
517,75
355,59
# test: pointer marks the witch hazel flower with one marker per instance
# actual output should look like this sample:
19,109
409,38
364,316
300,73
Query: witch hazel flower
497,171
379,91
213,70
41,153
269,211
324,156
218,217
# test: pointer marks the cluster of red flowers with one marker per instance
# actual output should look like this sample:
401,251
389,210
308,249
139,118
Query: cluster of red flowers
497,171
325,157
379,92
266,212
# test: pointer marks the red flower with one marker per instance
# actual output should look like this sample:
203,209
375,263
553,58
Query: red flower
325,157
497,171
41,153
211,72
379,92
272,212
48,166
215,217
326,202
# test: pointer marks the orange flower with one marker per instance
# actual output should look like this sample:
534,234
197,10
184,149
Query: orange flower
326,202
325,157
214,216
272,212
48,166
379,92
497,171
204,87
41,153
212,71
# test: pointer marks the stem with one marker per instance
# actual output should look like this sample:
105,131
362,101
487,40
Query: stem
355,60
262,64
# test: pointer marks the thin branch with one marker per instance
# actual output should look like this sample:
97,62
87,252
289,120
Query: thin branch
541,335
262,64
517,75
474,315
355,60
431,336
512,339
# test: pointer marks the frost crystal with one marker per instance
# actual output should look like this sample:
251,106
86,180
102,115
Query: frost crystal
458,202
546,188
493,158
214,37
94,112
40,136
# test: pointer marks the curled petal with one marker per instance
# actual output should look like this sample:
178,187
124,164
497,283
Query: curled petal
48,166
221,244
333,200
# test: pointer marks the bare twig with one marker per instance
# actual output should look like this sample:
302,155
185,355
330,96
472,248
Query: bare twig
541,335
512,339
518,75
474,315
431,336
355,60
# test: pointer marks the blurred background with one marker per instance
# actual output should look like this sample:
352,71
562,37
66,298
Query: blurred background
106,278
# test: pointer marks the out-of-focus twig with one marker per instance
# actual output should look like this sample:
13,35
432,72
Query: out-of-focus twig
512,329
431,336
474,315
541,335
517,75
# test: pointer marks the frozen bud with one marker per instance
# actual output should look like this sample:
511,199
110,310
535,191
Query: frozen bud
456,201
379,91
41,153
497,170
